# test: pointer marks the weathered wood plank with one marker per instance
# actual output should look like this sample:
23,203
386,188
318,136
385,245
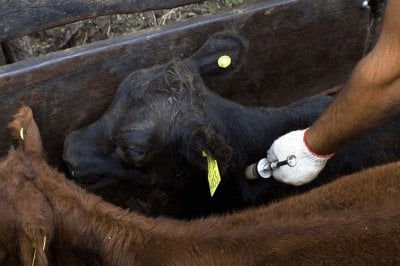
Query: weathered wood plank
21,17
296,49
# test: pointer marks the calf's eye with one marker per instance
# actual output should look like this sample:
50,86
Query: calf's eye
133,155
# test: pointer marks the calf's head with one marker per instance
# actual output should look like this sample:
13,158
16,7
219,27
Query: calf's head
26,218
155,124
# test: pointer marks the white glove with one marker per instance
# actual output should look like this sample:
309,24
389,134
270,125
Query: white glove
308,164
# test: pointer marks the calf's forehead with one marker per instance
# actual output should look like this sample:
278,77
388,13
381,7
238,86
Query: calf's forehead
9,238
133,97
137,84
159,95
8,221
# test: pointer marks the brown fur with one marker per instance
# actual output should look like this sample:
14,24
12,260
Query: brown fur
354,220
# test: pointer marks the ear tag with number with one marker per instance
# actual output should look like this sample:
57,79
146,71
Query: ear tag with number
214,178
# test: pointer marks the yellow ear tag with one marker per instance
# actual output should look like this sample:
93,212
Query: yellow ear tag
21,133
34,250
214,178
224,61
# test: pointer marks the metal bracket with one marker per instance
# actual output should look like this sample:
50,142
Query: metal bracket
365,4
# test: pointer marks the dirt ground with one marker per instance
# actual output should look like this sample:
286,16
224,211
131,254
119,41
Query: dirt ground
106,27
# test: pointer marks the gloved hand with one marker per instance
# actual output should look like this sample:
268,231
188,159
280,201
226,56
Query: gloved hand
308,163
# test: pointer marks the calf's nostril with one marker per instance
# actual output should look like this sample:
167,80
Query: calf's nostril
70,170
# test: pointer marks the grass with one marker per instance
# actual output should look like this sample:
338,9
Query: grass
232,3
106,27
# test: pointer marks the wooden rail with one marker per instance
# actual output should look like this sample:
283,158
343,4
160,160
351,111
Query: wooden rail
21,17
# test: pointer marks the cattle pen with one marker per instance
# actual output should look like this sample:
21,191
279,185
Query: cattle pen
295,49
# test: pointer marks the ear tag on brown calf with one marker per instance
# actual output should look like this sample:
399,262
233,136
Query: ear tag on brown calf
214,178
34,248
21,133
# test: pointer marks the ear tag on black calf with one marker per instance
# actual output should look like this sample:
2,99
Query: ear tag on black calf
224,61
214,178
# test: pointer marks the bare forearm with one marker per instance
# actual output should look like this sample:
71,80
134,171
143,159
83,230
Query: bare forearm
357,109
366,101
370,97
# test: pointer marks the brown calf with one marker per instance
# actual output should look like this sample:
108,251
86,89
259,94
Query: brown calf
46,219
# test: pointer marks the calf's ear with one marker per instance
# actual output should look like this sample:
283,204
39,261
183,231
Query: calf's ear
23,128
220,44
207,140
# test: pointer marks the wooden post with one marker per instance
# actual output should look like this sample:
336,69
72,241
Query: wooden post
2,56
17,49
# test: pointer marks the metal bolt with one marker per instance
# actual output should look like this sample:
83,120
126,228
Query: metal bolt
365,4
290,160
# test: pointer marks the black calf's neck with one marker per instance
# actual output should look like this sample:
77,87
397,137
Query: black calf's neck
250,131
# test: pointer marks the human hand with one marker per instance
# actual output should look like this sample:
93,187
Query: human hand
308,164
